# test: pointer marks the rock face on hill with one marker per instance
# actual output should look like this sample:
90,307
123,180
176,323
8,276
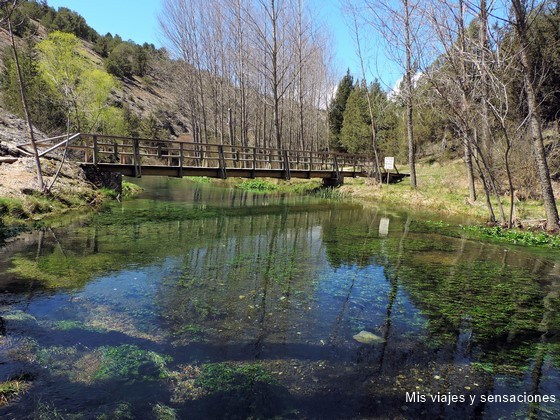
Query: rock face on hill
147,97
18,173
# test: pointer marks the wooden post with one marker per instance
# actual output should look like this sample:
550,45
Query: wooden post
95,151
310,161
181,154
254,161
222,162
116,151
230,126
335,167
136,158
159,150
286,159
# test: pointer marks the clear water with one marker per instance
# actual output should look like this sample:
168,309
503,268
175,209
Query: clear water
196,301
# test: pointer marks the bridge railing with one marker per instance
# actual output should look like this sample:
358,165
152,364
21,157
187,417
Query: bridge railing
100,149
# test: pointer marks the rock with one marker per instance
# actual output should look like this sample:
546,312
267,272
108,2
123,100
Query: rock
367,337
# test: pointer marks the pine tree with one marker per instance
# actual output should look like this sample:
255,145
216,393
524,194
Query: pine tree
336,110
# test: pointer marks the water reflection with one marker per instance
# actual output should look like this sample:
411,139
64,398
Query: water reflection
218,293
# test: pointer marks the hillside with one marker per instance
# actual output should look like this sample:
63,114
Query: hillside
146,98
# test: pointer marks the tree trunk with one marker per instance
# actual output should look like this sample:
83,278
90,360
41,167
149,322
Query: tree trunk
534,116
465,105
21,83
409,89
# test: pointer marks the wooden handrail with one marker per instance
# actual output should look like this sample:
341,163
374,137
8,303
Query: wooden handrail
143,152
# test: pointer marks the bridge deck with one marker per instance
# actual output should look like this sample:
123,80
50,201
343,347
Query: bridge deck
137,157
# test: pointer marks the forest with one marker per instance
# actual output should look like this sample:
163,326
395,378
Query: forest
480,82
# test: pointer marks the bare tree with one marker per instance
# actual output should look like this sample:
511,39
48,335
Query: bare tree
262,59
400,24
521,11
369,102
9,6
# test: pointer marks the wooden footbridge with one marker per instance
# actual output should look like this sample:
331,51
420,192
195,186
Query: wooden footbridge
138,157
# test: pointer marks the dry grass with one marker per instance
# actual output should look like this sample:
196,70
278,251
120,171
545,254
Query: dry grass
442,188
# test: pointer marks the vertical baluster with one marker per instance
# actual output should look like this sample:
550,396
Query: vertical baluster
181,157
95,151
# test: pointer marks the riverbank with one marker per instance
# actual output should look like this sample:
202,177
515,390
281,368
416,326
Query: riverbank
442,189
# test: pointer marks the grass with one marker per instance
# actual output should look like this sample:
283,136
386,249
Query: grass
33,205
442,188
265,185
257,185
130,189
516,236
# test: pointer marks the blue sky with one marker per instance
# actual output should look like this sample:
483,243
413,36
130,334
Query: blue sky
137,20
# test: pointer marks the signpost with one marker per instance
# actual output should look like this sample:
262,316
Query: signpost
389,163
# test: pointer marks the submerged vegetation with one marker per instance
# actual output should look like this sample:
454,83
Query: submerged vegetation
168,315
228,377
11,389
129,362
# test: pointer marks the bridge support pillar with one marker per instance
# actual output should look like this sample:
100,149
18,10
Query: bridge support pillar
333,182
103,179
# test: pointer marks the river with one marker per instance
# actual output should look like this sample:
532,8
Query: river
195,301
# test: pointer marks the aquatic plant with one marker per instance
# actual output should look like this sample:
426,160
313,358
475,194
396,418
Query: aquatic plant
12,388
60,269
123,411
515,236
67,325
164,412
227,377
131,362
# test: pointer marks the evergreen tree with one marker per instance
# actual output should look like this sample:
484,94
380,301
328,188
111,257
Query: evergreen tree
336,110
355,134
45,110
